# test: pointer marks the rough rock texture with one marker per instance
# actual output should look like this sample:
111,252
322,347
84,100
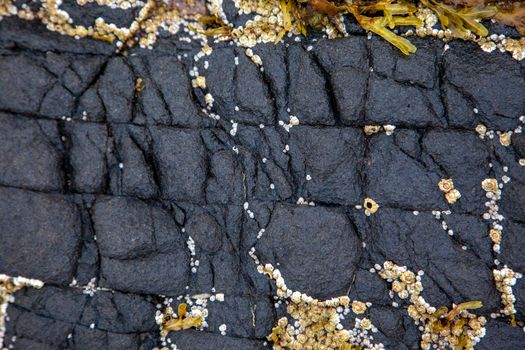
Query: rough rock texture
98,181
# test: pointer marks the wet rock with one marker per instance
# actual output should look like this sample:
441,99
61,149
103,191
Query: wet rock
327,163
316,248
119,313
502,336
403,237
464,158
28,84
127,228
85,338
87,157
165,274
308,93
133,169
511,206
181,164
43,230
504,96
117,94
106,183
30,154
141,247
397,179
391,102
209,341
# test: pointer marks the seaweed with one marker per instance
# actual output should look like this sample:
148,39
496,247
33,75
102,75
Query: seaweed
383,16
214,25
513,15
180,322
378,25
395,14
455,325
461,21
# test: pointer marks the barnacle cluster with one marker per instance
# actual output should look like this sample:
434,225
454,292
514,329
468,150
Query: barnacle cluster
493,193
273,19
374,129
442,328
505,278
9,285
153,16
451,194
316,324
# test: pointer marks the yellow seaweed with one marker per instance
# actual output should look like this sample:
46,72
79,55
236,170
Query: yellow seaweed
461,21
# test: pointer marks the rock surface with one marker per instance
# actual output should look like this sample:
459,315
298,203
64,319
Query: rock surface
100,182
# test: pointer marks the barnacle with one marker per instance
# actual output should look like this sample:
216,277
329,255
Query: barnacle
180,322
316,324
505,279
371,129
286,9
318,321
370,206
452,196
139,85
276,18
358,307
456,325
481,130
446,185
495,235
490,185
505,138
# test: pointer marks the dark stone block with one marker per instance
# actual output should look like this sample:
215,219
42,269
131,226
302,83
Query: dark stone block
512,201
396,179
463,157
129,228
193,340
43,230
85,338
28,84
503,97
317,249
87,156
501,336
308,94
180,156
116,89
138,176
461,275
390,102
30,154
165,274
333,160
57,102
119,313
350,88
167,97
